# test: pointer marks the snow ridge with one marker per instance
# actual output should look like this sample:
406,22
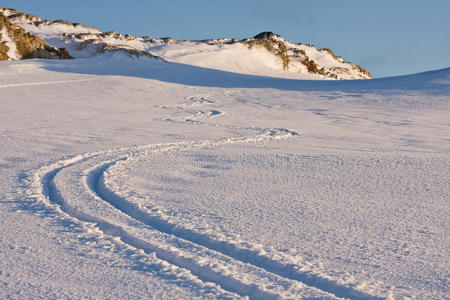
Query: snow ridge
266,54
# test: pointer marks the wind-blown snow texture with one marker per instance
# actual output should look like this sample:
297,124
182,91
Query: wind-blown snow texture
143,179
122,178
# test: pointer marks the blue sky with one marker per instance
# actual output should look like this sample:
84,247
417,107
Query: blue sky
387,37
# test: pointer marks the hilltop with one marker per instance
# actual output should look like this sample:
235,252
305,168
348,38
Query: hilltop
266,54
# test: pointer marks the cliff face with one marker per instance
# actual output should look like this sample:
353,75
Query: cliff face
16,44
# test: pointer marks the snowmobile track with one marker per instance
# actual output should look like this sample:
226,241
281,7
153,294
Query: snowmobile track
44,180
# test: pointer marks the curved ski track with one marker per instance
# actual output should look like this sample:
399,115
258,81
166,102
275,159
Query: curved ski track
234,268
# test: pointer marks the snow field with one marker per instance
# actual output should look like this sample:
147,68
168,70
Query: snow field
294,190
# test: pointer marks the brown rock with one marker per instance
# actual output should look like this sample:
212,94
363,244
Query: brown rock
27,44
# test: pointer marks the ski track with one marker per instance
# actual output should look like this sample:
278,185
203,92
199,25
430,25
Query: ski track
220,252
204,273
4,86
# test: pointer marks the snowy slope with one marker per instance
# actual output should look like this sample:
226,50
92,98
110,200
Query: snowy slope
142,179
266,54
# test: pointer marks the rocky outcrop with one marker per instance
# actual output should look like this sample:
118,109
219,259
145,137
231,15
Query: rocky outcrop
15,44
273,43
16,16
267,35
101,47
292,54
3,50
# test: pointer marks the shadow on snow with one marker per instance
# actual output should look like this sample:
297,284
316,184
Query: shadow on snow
436,82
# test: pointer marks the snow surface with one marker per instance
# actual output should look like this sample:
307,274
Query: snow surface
143,179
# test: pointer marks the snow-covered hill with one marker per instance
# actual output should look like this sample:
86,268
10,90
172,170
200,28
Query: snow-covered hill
266,54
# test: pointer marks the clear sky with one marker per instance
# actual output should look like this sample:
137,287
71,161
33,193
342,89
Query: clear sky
387,37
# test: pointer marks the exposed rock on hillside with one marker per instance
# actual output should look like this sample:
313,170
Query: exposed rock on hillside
100,47
292,54
16,44
267,35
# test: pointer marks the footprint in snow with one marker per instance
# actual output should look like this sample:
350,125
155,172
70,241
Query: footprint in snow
198,100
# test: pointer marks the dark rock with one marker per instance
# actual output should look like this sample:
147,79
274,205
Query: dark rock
266,35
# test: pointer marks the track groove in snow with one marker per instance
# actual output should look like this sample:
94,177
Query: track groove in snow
204,273
267,266
45,187
249,256
4,86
